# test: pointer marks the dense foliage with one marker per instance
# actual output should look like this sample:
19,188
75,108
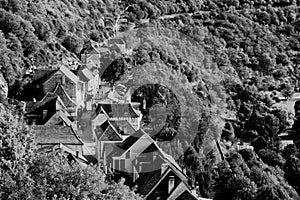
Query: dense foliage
232,56
27,174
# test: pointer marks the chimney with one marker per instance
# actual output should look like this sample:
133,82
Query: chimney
171,184
45,112
77,154
33,121
63,80
184,171
144,104
164,167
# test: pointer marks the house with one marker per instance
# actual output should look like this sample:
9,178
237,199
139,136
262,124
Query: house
287,138
165,183
124,153
120,112
67,152
117,44
120,94
155,173
52,135
61,118
90,56
107,135
61,82
285,143
106,132
72,86
244,145
39,113
91,79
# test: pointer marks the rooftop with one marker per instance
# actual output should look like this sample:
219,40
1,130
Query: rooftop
56,134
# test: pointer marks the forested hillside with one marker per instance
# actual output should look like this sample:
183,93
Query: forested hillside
39,33
244,54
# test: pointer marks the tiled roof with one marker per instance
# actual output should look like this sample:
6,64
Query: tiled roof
56,134
120,110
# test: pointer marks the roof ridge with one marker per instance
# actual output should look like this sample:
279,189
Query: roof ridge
68,73
113,128
76,135
64,91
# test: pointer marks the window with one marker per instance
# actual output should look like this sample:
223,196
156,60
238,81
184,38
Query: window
122,165
127,156
117,164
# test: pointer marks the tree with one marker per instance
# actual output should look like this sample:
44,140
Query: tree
292,172
73,43
56,178
247,177
271,158
16,152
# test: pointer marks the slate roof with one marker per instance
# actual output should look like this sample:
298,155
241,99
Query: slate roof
63,116
186,196
69,74
128,142
85,75
147,181
56,134
168,158
116,41
42,75
124,125
48,102
107,132
60,91
64,149
89,48
120,110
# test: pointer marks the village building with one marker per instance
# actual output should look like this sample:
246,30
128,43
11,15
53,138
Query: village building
74,113
57,82
155,173
90,56
51,136
39,113
120,112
